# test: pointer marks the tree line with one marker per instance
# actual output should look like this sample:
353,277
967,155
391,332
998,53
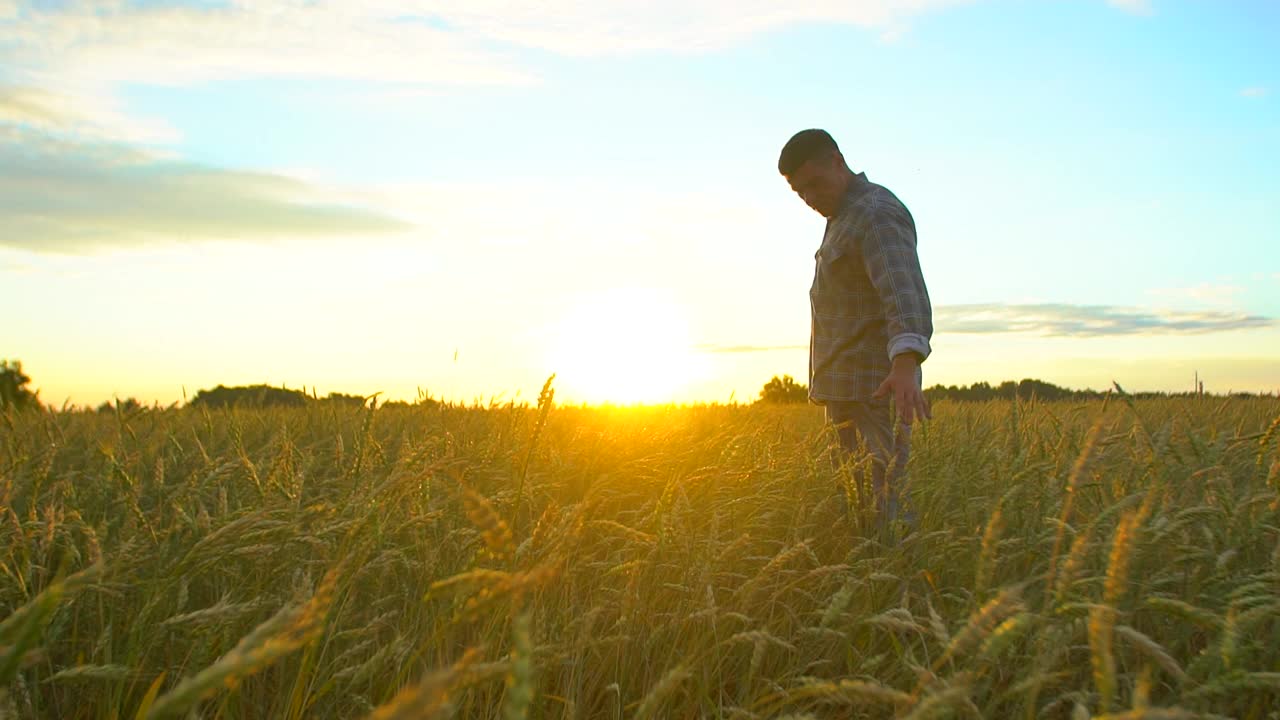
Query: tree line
784,389
15,392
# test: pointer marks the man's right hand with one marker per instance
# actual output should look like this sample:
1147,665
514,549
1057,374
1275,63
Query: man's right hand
904,384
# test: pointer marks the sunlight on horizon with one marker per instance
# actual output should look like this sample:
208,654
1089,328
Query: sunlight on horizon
467,200
626,345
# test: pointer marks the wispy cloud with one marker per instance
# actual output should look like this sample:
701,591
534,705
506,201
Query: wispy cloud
63,63
447,42
1254,92
1059,320
77,114
1136,7
1064,320
67,196
75,174
92,43
77,53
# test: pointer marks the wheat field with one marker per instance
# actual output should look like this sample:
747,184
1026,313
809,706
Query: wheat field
1116,558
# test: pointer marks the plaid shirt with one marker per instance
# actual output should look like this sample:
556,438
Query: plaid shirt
868,299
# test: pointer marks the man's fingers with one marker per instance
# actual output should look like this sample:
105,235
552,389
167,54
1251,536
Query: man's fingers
905,405
913,406
911,402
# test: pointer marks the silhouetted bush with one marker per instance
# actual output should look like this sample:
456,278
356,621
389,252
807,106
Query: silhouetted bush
250,396
127,406
784,390
13,386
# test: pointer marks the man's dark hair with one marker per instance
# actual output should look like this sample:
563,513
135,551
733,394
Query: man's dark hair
803,146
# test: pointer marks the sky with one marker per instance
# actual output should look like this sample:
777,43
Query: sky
463,197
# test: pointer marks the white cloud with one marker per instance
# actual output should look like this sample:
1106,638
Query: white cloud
67,196
61,64
1065,320
1136,7
1059,320
76,114
95,43
92,44
1254,92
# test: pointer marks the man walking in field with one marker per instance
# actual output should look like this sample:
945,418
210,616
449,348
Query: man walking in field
871,317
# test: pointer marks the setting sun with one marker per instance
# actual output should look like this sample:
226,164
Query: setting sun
624,346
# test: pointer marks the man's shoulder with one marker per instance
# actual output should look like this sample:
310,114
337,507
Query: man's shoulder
878,197
873,205
878,205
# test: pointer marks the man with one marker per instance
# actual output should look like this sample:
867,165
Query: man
871,317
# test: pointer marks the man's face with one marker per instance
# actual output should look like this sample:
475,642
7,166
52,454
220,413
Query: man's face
821,182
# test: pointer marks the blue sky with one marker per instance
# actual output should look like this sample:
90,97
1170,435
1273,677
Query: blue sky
343,195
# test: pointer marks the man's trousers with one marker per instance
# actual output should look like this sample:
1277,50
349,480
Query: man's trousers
872,429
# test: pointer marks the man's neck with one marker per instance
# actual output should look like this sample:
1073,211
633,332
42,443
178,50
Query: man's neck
854,184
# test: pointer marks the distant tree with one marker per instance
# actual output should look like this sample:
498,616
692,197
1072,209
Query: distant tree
346,399
1042,390
13,386
423,401
784,390
1007,390
128,405
250,396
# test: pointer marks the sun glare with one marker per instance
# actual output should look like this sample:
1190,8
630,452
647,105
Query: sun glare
624,346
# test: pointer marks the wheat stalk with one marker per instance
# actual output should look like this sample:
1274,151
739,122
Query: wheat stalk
665,687
519,680
430,697
286,631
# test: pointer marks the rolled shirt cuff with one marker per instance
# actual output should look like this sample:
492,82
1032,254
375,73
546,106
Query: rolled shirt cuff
909,342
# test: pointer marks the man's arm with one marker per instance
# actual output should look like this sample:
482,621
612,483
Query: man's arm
889,255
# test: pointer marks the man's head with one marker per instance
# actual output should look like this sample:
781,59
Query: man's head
811,162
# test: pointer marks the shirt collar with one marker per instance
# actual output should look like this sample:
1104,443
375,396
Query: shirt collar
857,186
